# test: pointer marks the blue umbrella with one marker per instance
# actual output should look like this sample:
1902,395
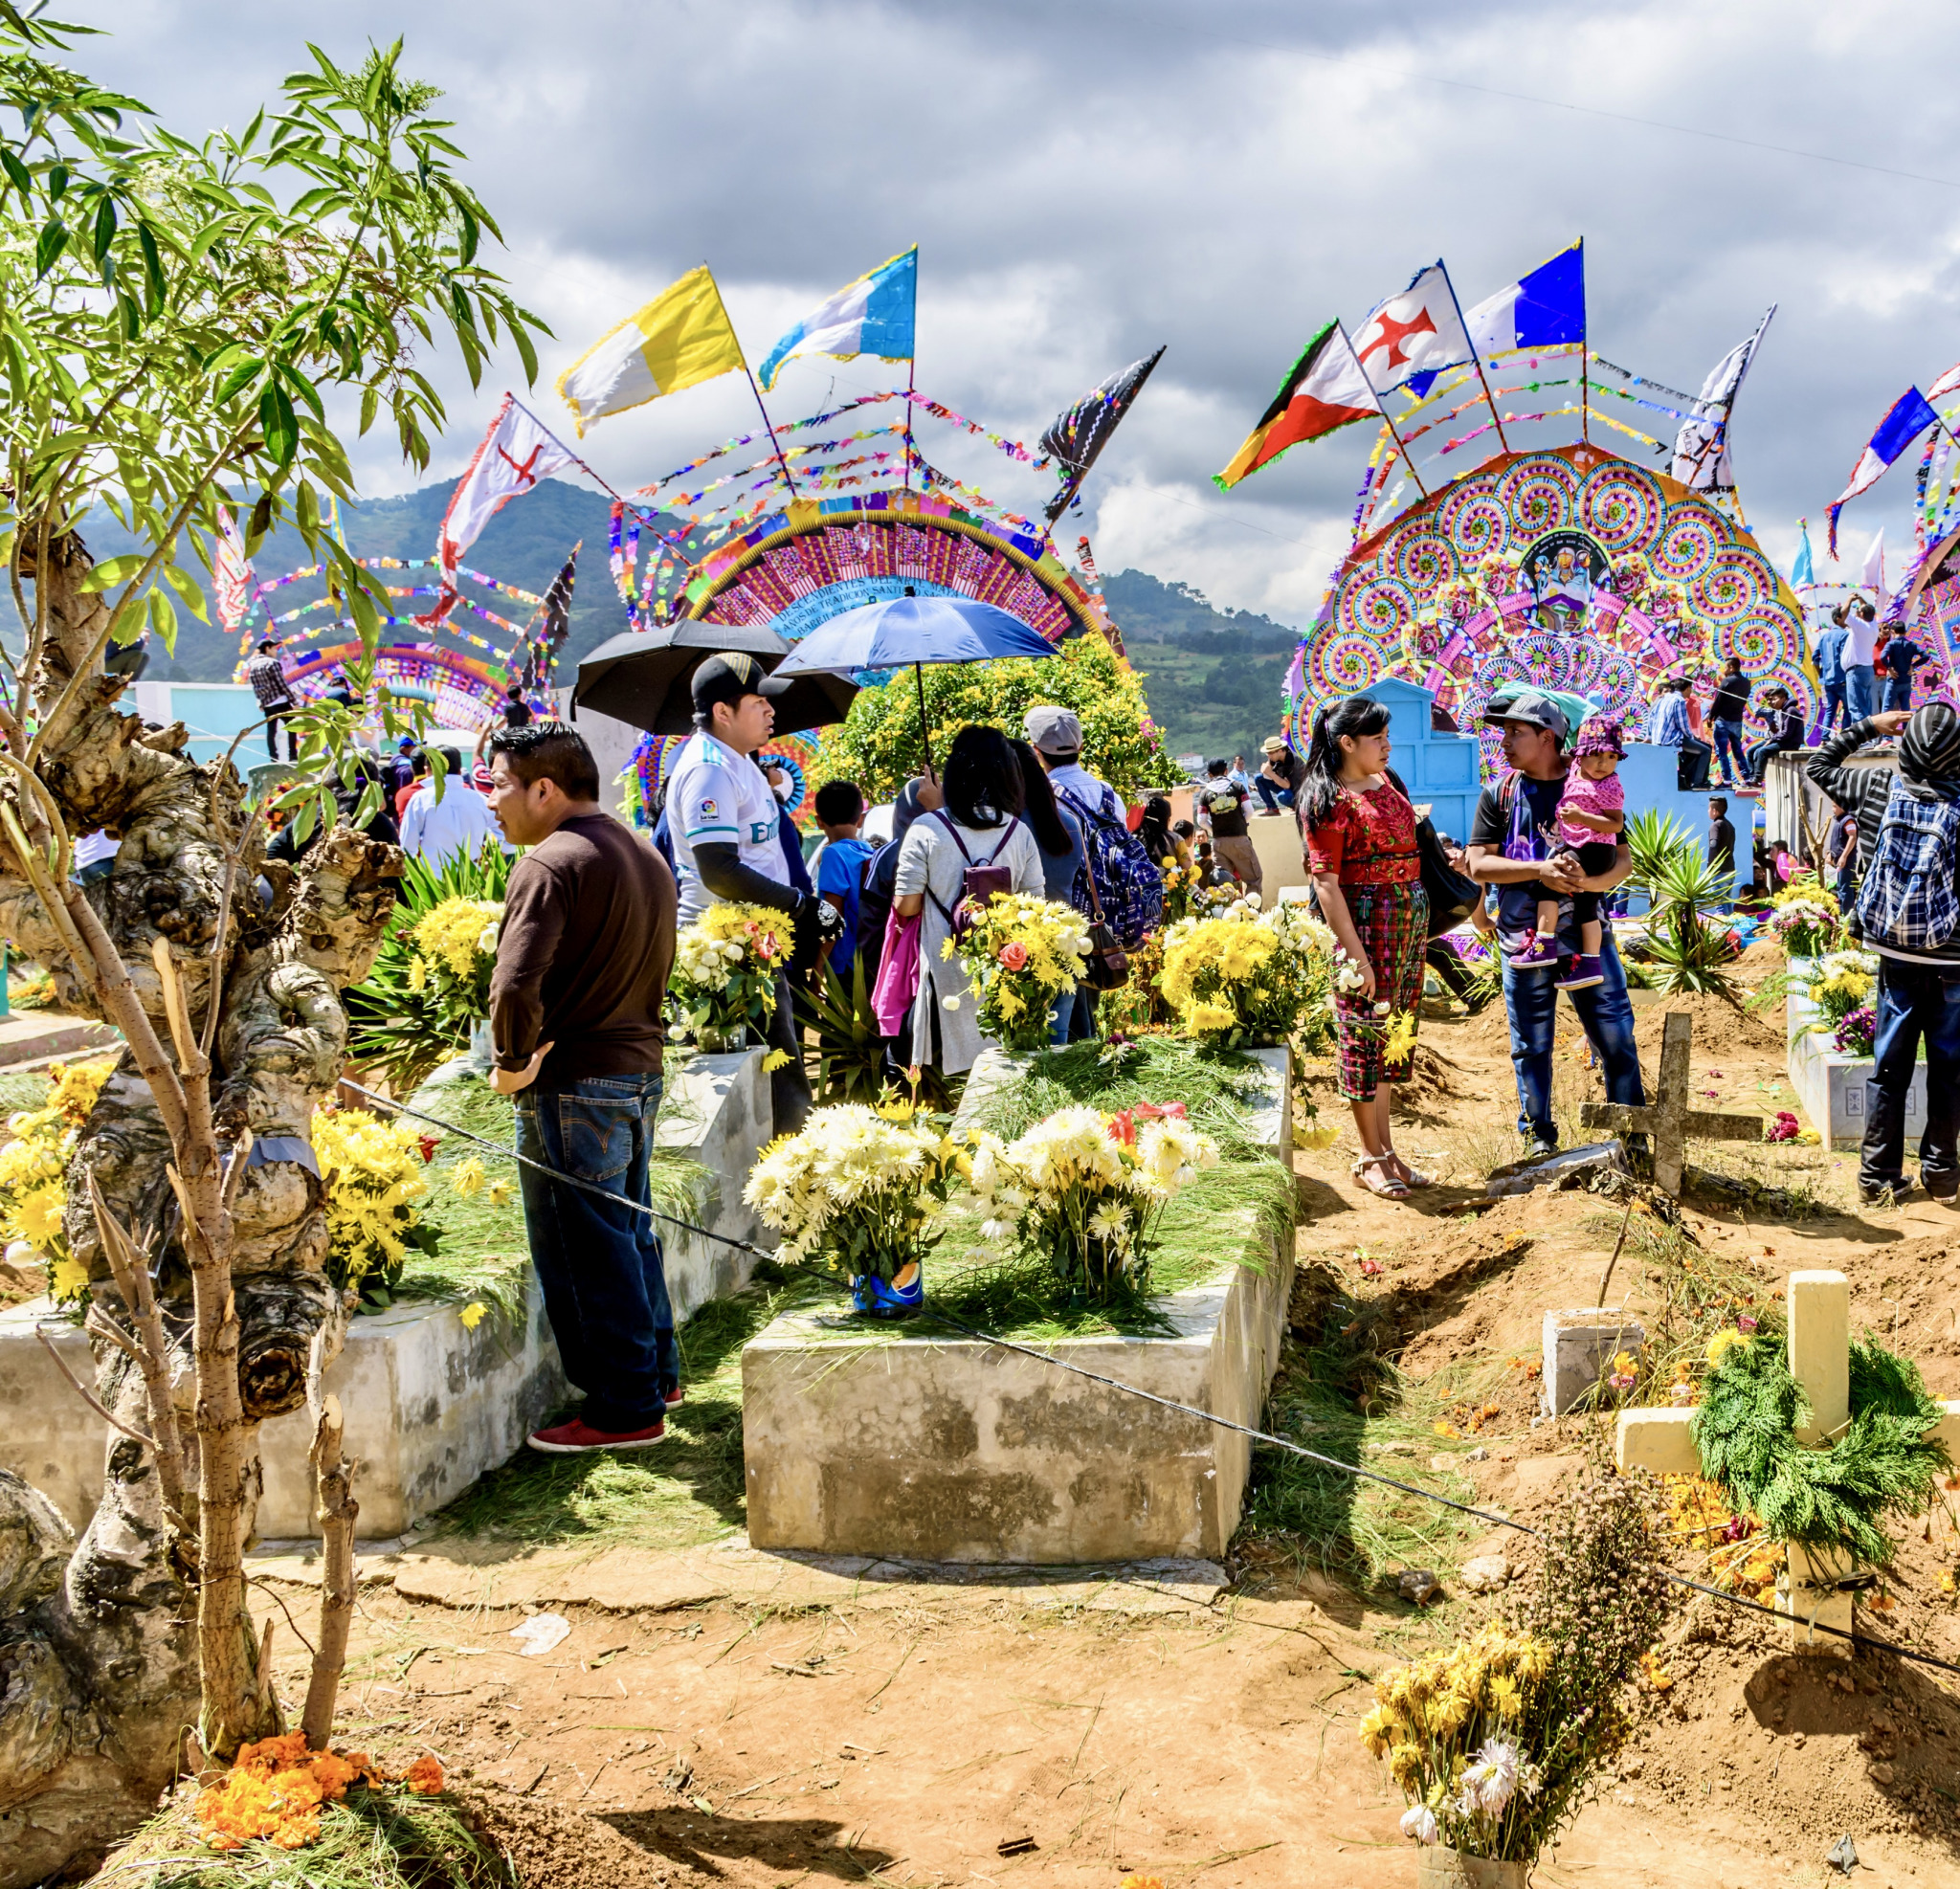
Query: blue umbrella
911,631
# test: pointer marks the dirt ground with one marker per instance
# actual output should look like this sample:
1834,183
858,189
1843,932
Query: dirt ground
721,1717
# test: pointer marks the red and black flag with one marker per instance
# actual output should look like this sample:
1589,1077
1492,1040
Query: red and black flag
1325,390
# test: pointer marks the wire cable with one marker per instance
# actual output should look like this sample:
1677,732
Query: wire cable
1287,1443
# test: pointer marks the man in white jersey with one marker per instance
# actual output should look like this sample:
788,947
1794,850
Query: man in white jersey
722,813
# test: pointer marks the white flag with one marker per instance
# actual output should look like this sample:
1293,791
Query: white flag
231,573
1873,575
515,454
1702,459
1416,332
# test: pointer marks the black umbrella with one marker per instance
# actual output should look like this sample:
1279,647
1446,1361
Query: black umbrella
645,677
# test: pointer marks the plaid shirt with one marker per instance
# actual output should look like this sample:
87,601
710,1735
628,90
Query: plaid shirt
268,679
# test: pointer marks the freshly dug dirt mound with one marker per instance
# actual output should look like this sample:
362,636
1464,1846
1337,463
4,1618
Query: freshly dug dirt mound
553,1848
1721,1028
1433,1077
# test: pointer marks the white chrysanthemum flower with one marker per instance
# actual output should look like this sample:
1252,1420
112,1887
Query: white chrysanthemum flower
1418,1821
1492,1780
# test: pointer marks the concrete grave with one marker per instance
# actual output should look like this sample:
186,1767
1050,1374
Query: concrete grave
1833,1088
431,1405
909,1441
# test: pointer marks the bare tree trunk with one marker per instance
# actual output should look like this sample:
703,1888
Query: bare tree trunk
102,1666
334,1480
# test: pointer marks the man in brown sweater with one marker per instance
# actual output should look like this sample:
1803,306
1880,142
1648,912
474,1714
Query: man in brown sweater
582,963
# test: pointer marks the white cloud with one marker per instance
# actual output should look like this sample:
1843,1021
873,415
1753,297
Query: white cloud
1088,179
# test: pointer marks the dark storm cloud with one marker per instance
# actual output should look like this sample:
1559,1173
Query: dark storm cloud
1088,179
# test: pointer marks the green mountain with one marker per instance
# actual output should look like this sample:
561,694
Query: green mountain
1213,676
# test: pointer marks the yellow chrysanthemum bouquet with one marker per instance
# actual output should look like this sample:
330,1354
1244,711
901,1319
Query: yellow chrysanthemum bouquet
1021,954
34,1171
1084,1189
1247,975
372,1172
453,954
1804,918
725,964
1181,884
861,1190
1450,1725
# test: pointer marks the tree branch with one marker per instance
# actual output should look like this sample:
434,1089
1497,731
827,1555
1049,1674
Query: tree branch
334,1480
89,1397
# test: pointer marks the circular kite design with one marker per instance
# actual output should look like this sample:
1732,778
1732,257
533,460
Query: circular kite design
1423,561
1474,522
1342,664
1621,509
1688,542
1537,495
1692,587
1378,609
1733,585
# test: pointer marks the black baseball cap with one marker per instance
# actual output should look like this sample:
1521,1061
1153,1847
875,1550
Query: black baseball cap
731,675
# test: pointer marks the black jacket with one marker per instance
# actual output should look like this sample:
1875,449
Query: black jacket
1862,792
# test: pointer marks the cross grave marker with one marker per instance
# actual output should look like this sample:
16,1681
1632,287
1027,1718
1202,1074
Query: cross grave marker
1669,1121
1658,1440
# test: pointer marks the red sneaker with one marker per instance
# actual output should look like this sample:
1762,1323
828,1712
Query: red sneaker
672,1397
578,1438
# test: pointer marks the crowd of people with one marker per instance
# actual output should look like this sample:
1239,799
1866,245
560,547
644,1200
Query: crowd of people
593,910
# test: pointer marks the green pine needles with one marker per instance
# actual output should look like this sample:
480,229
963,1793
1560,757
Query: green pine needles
1832,1499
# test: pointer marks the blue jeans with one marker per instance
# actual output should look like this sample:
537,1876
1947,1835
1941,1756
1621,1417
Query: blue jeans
1915,1002
1073,1017
1759,759
599,1262
1898,692
1833,708
1860,692
1729,752
1605,1014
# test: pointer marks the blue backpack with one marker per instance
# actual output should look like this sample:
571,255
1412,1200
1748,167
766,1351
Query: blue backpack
1128,883
1909,901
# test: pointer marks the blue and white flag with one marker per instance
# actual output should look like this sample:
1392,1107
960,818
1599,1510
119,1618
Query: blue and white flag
872,316
1803,575
1910,415
1544,309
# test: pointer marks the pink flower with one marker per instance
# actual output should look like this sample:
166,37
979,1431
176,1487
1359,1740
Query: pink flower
1743,1322
1014,954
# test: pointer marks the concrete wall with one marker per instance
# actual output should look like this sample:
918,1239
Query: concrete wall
904,1441
612,741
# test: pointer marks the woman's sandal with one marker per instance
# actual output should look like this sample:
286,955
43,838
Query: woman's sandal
1383,1181
1413,1177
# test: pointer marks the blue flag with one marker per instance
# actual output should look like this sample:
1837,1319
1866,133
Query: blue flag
1908,417
1803,575
1544,309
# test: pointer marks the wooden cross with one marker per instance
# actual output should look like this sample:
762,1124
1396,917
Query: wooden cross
1819,1318
1670,1120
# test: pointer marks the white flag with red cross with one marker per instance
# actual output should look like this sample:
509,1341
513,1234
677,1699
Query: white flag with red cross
1419,331
515,455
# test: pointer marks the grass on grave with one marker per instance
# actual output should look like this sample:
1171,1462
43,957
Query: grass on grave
484,1254
372,1839
1367,1414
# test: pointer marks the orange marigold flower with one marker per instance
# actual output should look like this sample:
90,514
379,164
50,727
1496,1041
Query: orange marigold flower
424,1777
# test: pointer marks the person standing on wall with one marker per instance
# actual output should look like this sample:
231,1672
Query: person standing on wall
1360,835
1903,656
273,695
1861,650
1725,721
582,963
723,817
1830,661
512,712
1509,850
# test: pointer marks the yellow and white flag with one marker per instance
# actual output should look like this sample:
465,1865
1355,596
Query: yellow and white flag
680,339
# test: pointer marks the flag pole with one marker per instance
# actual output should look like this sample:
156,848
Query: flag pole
747,373
1475,360
911,382
1382,409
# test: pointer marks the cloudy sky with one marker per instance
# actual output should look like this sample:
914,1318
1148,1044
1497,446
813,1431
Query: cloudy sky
1088,178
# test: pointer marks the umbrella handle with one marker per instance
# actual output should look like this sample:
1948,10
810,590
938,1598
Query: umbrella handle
924,726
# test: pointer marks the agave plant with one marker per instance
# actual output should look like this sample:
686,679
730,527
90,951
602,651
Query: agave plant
405,1029
850,1052
1686,951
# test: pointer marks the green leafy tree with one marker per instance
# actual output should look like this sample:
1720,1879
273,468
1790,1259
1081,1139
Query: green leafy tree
879,745
176,319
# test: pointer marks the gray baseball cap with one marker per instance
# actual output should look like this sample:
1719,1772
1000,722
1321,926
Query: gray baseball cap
1054,730
1528,705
